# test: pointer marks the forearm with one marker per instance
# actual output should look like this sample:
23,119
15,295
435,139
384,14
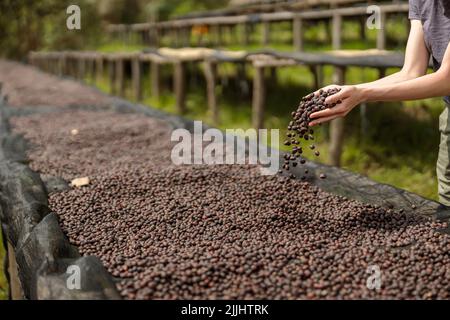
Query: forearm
391,79
427,86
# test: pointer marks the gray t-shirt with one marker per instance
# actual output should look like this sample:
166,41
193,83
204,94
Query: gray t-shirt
435,18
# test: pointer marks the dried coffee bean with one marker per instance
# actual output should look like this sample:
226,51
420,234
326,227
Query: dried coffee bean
301,117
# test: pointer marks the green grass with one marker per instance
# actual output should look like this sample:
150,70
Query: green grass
118,47
3,282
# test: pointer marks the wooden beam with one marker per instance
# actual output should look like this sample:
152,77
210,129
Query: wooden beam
180,86
337,125
210,69
259,95
286,15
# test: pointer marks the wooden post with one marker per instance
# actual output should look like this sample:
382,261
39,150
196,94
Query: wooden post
154,79
112,76
317,71
259,95
362,27
213,35
136,75
381,35
210,76
180,87
337,125
48,65
81,67
336,31
62,64
265,33
221,35
241,77
120,84
245,34
15,287
186,37
157,36
175,35
231,34
381,73
273,76
297,33
91,67
99,67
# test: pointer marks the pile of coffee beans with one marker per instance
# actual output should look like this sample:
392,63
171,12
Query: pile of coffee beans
203,232
72,144
226,232
299,130
27,86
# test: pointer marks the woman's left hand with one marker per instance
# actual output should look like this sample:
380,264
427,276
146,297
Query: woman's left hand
349,97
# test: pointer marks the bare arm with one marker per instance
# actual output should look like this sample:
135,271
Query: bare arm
415,66
416,59
427,86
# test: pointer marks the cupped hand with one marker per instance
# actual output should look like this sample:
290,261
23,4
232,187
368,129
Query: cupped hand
344,101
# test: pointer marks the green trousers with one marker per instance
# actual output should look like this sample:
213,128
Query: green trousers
443,162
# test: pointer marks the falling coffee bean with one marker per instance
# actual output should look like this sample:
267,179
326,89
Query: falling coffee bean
301,118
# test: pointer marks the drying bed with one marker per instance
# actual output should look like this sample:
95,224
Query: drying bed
165,231
143,228
26,86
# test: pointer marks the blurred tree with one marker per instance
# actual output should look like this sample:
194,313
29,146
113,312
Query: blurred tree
27,25
129,11
120,11
171,8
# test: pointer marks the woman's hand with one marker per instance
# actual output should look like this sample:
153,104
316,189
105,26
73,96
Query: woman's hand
346,99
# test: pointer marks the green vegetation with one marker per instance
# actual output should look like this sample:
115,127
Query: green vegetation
41,25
